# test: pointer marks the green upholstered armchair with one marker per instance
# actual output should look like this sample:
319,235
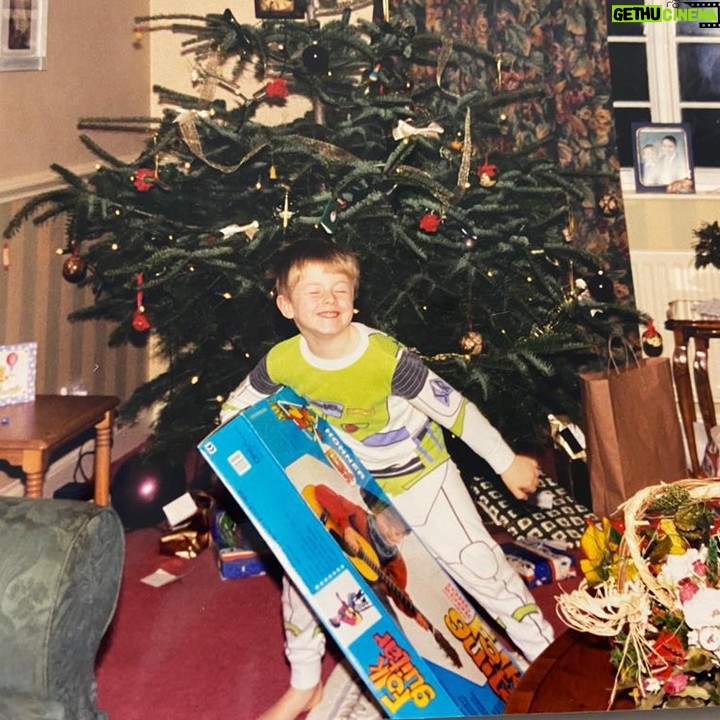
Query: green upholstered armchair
60,571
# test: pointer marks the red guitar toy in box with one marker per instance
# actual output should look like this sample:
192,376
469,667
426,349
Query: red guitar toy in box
406,628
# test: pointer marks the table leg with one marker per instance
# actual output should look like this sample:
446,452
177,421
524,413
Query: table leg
702,383
103,444
34,466
683,388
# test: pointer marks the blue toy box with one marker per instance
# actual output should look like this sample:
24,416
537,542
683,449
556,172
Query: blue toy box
538,562
273,458
239,550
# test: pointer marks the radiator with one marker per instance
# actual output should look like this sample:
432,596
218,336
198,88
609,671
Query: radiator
662,276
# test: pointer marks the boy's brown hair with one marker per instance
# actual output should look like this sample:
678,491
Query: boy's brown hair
292,258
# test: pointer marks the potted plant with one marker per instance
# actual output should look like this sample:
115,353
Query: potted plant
707,245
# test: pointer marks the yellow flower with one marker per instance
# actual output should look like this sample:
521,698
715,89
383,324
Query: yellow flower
601,546
678,546
595,546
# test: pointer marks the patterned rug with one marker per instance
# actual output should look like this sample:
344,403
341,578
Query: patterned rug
345,698
551,515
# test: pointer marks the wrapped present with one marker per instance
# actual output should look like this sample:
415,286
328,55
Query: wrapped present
188,539
240,551
188,531
540,562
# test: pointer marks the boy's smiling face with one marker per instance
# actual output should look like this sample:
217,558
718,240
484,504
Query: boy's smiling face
320,302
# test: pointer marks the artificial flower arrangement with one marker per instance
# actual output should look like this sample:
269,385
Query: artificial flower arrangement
652,584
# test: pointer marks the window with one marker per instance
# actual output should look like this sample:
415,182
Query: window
667,72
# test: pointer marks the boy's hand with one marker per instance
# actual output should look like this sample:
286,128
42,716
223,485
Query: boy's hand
521,478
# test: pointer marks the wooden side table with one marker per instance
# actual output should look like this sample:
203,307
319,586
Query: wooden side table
31,432
574,674
686,325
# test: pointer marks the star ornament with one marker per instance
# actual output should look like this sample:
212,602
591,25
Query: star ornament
285,214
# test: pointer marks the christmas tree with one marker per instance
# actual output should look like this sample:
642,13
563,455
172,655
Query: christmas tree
462,227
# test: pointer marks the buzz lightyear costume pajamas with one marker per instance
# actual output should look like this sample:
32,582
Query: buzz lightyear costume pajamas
386,405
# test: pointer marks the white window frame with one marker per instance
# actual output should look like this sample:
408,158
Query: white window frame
665,102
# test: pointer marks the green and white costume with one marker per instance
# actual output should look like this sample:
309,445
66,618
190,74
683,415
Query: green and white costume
387,406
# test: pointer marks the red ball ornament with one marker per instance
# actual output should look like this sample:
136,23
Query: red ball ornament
140,321
652,342
144,179
277,89
429,223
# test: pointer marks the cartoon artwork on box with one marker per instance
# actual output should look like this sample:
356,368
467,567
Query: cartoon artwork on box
404,625
18,366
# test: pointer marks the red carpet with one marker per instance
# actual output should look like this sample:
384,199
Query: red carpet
200,648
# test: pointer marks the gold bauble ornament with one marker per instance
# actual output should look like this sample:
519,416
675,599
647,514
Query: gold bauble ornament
74,269
472,342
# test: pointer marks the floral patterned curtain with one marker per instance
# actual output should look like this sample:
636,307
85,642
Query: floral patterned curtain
561,45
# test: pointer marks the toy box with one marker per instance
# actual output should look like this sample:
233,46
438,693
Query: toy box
238,547
279,460
538,562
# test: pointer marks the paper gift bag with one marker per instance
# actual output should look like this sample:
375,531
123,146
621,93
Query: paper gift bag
633,433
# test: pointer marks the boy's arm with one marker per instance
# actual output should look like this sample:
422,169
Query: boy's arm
430,394
255,387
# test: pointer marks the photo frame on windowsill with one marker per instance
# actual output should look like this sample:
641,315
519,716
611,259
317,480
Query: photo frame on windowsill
280,9
23,34
663,159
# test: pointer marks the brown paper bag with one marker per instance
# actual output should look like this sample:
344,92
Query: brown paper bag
632,430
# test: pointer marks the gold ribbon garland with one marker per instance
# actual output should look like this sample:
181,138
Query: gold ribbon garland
210,78
188,130
443,58
463,181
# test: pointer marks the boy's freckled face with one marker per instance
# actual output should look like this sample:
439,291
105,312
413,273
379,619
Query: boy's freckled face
320,302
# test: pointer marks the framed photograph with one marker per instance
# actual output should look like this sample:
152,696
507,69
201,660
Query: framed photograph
280,9
18,370
23,34
663,158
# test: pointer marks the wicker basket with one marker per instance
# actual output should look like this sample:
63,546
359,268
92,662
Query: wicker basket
624,605
635,508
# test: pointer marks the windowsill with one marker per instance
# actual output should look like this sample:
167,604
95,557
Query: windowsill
707,183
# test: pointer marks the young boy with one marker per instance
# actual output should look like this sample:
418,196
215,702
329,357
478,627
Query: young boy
386,405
